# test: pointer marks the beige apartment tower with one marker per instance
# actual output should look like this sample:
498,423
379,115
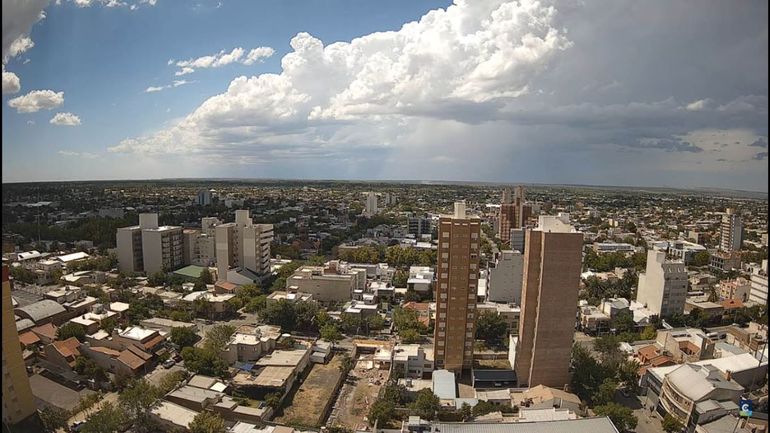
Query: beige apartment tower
552,266
243,244
731,231
149,248
18,402
457,274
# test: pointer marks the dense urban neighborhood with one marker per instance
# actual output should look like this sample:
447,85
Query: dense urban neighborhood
282,306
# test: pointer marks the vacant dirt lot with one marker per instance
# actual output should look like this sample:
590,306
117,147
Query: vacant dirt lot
357,395
310,400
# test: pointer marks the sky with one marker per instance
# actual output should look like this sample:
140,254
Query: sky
629,93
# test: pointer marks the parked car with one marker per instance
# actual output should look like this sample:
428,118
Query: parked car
169,363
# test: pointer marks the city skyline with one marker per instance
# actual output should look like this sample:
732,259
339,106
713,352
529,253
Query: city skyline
541,93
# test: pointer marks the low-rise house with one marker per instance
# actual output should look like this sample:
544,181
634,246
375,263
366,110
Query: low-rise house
420,279
46,333
735,289
410,359
685,344
63,353
194,398
279,295
172,416
250,343
705,307
147,340
542,397
593,321
333,282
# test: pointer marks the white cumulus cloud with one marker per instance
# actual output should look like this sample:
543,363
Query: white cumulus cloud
37,100
11,83
258,54
473,53
65,119
175,83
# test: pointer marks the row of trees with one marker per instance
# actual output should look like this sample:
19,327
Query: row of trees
597,289
395,255
609,261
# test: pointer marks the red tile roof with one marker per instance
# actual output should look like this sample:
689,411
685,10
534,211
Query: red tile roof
153,342
130,359
730,304
28,338
46,331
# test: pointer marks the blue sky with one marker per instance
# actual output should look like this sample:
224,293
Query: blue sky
490,91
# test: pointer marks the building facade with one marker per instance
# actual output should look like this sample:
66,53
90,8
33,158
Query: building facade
758,291
457,273
552,267
663,285
18,402
243,244
505,278
731,231
149,248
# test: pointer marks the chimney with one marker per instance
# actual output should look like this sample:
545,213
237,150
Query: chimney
728,375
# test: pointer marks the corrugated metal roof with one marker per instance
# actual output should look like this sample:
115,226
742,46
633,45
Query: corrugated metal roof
585,425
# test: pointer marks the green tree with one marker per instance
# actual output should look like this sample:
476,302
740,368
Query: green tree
199,286
628,375
381,412
157,279
281,314
466,412
206,276
109,419
671,425
70,329
170,381
183,337
136,400
624,322
649,333
346,364
54,418
491,327
256,304
330,333
605,393
409,336
273,400
207,422
623,417
701,259
204,361
587,373
426,405
400,278
218,336
609,348
109,324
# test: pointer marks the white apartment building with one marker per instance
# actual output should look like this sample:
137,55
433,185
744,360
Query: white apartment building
663,287
200,245
758,291
333,282
371,204
506,277
149,248
731,231
243,244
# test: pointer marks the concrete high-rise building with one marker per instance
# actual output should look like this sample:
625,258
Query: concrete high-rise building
457,275
513,214
204,197
731,231
549,298
149,248
18,402
663,285
419,225
200,245
162,249
506,277
371,204
243,244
